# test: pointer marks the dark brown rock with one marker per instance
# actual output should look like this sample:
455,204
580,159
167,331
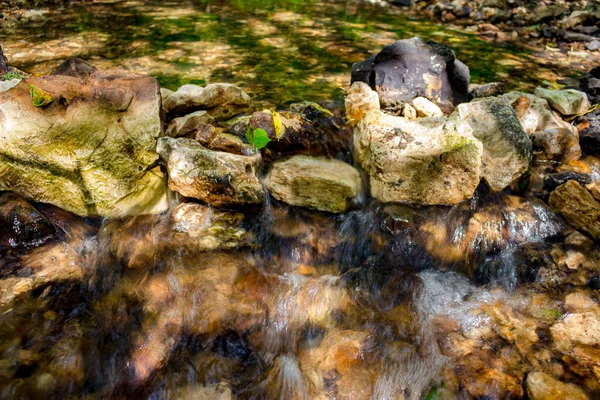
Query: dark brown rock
21,224
4,67
75,67
411,68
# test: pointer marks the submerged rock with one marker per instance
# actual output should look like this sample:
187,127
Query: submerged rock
578,207
21,224
411,68
507,149
425,161
541,386
566,102
189,229
319,183
92,150
220,100
215,177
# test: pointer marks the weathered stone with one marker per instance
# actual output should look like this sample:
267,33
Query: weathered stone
314,182
507,150
188,125
541,386
426,108
576,329
221,100
92,150
425,161
215,177
566,102
360,99
594,189
556,144
76,68
590,83
411,68
409,111
486,90
579,302
578,207
211,138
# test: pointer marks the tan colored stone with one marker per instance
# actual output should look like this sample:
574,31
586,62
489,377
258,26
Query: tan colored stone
360,99
426,108
577,206
541,386
579,302
576,329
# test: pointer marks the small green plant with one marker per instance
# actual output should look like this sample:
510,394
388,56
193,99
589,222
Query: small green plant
257,137
39,97
14,74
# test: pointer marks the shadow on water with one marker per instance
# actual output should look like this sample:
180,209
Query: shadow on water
281,51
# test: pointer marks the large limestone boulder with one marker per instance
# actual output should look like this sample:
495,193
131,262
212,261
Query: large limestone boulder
215,177
314,182
89,146
578,207
410,68
424,161
507,149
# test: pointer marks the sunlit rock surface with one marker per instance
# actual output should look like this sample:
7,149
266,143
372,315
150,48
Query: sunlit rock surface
220,100
578,207
566,102
506,147
425,161
214,177
359,100
319,183
91,150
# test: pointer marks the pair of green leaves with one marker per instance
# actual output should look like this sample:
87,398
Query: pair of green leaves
257,137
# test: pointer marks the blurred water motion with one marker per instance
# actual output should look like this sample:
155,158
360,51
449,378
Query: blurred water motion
288,303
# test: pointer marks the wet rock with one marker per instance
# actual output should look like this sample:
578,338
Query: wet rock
220,100
4,67
319,183
426,161
75,67
411,68
21,225
215,177
92,150
541,386
360,99
188,125
574,259
590,83
556,144
552,181
188,229
566,102
578,207
589,138
507,150
576,329
486,90
579,241
265,121
426,108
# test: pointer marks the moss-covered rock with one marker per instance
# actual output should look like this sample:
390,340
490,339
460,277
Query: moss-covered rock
91,150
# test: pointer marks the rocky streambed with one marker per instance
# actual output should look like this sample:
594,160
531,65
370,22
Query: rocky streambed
431,240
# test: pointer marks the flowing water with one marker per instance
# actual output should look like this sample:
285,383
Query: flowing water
283,304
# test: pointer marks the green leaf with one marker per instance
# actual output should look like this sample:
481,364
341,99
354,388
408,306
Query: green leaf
260,138
257,137
39,97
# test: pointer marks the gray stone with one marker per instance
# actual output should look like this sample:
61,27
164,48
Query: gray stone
221,100
189,124
507,150
314,182
215,177
566,102
424,161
